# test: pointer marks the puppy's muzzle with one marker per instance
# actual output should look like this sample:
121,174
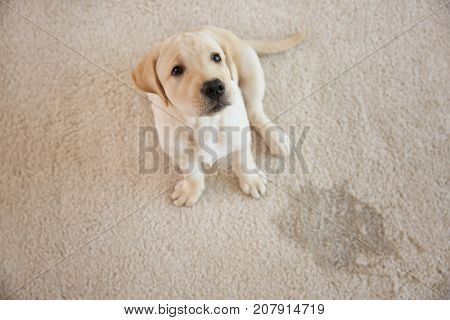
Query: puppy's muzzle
215,95
213,89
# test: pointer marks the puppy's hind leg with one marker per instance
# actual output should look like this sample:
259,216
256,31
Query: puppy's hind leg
252,85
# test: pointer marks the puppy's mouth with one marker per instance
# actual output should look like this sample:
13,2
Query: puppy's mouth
215,97
214,107
219,106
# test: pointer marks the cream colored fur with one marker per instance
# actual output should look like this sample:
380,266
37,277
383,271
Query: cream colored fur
178,97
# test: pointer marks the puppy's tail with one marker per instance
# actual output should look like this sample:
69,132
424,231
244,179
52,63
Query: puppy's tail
271,46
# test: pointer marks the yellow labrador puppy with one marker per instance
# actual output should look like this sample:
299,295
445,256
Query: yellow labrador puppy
206,87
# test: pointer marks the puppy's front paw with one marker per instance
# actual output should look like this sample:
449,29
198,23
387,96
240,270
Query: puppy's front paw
278,142
253,184
187,192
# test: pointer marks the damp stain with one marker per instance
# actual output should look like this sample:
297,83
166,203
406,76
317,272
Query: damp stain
340,231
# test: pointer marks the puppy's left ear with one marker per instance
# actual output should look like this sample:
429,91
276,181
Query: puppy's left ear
230,63
146,78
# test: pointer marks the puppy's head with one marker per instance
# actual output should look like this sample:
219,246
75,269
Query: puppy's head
191,71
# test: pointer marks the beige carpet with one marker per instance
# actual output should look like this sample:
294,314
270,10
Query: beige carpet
364,214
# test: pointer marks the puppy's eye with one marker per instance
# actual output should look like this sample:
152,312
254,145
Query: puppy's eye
216,57
177,70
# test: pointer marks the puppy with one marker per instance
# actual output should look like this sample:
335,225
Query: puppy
206,87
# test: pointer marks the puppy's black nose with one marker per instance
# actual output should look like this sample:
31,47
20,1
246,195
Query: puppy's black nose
213,89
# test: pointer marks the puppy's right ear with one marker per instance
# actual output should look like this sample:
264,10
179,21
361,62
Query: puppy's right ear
146,78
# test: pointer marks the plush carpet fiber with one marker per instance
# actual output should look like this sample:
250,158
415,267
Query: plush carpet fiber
361,211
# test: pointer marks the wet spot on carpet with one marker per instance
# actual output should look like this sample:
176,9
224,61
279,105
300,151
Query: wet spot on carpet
339,230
